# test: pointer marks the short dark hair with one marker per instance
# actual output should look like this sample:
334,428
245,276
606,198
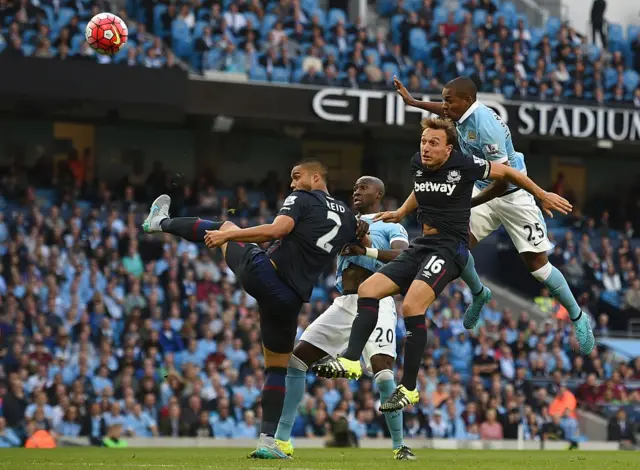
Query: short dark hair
440,124
463,86
316,166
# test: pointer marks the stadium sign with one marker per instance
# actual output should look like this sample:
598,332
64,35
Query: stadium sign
579,122
348,105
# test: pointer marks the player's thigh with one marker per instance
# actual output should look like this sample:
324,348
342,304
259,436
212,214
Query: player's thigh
330,331
440,265
278,326
225,227
396,276
484,220
524,222
239,257
383,339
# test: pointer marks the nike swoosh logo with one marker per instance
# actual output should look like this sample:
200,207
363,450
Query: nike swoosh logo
536,244
116,41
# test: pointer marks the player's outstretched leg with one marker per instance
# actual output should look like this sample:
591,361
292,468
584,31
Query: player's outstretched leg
481,294
192,229
553,280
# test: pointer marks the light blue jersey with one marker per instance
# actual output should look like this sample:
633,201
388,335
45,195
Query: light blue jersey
382,234
482,133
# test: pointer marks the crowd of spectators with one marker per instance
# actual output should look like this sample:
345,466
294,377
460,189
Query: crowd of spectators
106,332
295,41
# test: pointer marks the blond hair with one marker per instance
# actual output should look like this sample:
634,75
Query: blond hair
439,124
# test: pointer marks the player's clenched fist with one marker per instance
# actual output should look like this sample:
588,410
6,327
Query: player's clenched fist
389,216
552,202
353,250
362,229
215,238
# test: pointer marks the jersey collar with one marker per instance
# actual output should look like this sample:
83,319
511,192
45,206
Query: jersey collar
469,112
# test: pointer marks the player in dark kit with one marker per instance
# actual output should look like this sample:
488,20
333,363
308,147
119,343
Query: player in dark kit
310,229
443,182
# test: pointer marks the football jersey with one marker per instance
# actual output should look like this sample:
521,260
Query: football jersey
444,195
323,225
382,235
482,133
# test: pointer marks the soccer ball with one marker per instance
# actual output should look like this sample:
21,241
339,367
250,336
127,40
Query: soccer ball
106,33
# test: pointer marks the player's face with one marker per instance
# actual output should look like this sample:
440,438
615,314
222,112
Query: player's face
454,106
434,149
301,178
365,194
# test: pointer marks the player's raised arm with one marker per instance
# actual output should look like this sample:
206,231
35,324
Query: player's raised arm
549,201
495,189
435,108
396,216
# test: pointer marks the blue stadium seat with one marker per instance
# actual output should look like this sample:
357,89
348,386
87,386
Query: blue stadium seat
615,33
309,5
280,75
297,75
593,52
459,15
385,7
335,15
268,22
440,15
417,43
322,16
536,35
255,21
258,74
508,9
479,18
180,30
610,77
197,29
27,49
553,26
632,32
631,80
396,22
158,11
391,67
372,52
211,57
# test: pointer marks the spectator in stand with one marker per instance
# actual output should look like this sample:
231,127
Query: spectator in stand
598,9
621,429
611,280
632,296
491,429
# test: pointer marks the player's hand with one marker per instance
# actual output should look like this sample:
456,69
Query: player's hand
552,202
362,229
215,238
389,216
353,249
402,91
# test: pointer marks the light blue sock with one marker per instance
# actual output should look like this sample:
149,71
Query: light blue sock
559,289
386,385
296,383
470,276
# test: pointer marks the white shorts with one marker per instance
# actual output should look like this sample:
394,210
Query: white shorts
330,331
521,217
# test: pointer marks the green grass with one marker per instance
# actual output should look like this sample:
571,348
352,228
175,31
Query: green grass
235,459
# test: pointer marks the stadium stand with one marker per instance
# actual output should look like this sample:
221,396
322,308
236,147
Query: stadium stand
105,330
294,41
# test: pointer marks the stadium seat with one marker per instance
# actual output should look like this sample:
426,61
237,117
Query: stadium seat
322,16
391,68
553,26
258,74
335,15
280,75
372,52
508,9
268,22
631,80
632,32
479,18
385,7
610,77
158,11
396,22
536,36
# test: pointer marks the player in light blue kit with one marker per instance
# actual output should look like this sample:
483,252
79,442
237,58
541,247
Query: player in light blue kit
328,335
482,134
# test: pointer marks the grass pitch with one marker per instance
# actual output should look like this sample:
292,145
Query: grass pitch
326,459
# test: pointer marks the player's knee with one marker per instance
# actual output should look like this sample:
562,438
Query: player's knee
228,225
367,290
413,307
542,274
296,363
275,359
307,354
537,262
381,362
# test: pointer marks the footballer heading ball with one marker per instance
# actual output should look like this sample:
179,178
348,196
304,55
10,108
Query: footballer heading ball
106,33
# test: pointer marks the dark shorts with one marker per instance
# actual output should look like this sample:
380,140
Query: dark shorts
278,303
436,263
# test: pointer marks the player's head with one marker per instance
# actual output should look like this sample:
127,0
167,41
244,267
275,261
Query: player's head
368,192
309,175
438,139
458,95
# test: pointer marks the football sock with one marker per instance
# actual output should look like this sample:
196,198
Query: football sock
553,280
272,399
413,349
470,276
192,229
386,385
363,325
296,382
